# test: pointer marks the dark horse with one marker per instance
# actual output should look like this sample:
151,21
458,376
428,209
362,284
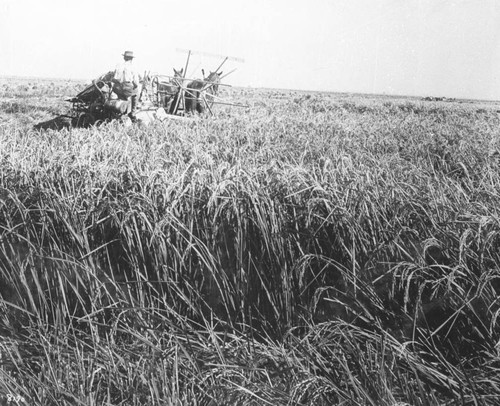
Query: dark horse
169,92
199,92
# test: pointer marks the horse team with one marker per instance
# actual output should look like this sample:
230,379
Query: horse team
197,94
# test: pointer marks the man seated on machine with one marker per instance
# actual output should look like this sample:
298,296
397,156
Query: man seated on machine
126,82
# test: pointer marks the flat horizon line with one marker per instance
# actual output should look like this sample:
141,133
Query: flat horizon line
48,78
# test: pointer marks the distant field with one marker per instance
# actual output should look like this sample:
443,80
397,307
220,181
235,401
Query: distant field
313,249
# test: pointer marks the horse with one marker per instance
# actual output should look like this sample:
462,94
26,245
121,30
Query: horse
176,82
194,100
169,91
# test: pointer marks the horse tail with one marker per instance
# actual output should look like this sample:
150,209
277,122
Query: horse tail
191,97
187,98
174,103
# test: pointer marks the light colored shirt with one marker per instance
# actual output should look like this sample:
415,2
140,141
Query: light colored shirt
125,72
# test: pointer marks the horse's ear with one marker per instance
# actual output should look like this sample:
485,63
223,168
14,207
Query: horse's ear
203,72
181,71
220,74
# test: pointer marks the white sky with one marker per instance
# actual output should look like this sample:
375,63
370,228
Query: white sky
410,47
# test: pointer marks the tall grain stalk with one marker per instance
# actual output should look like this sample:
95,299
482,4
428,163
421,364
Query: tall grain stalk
317,249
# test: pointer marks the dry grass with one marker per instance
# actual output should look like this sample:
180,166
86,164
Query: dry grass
316,249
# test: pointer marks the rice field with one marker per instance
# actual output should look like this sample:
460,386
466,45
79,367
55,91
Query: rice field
314,249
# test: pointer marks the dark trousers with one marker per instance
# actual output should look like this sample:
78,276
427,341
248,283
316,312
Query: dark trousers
125,91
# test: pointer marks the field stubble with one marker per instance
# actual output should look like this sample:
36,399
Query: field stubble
315,249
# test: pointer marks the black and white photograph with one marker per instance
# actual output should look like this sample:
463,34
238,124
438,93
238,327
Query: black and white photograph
250,203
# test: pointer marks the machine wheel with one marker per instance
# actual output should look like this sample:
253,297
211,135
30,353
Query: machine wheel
85,120
64,122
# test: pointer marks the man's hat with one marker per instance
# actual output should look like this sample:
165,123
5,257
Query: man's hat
128,54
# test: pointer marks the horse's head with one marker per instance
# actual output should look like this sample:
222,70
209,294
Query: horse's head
178,74
213,77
